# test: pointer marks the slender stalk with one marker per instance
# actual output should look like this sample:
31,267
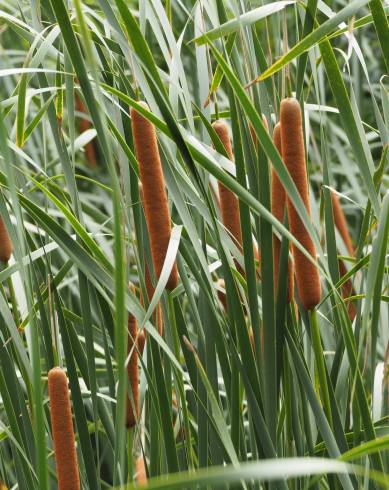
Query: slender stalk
320,365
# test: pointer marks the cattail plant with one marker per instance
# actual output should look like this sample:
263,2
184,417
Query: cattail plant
278,206
62,428
341,225
157,315
5,243
133,402
141,341
293,153
154,194
229,203
84,125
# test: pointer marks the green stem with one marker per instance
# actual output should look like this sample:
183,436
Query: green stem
320,365
130,440
13,301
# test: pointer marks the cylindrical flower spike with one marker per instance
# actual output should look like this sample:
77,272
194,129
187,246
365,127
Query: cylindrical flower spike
6,248
341,225
229,203
307,274
141,341
62,428
278,205
154,194
133,402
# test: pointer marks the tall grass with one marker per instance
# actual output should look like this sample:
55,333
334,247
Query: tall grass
238,385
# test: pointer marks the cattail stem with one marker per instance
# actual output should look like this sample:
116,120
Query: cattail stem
320,364
130,440
307,274
278,206
154,194
63,434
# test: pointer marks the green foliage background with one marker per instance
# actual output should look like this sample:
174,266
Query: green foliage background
316,391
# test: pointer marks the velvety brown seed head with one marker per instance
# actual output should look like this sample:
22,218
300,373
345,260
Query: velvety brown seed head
6,248
278,203
307,275
84,125
140,469
62,428
141,341
154,194
229,203
341,223
133,402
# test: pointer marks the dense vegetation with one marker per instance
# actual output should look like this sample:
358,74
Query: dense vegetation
251,348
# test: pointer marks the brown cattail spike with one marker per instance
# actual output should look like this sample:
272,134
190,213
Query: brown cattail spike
141,341
154,194
84,125
341,225
307,274
5,243
229,203
133,402
63,434
278,205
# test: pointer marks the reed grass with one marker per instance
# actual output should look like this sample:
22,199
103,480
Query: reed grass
241,390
